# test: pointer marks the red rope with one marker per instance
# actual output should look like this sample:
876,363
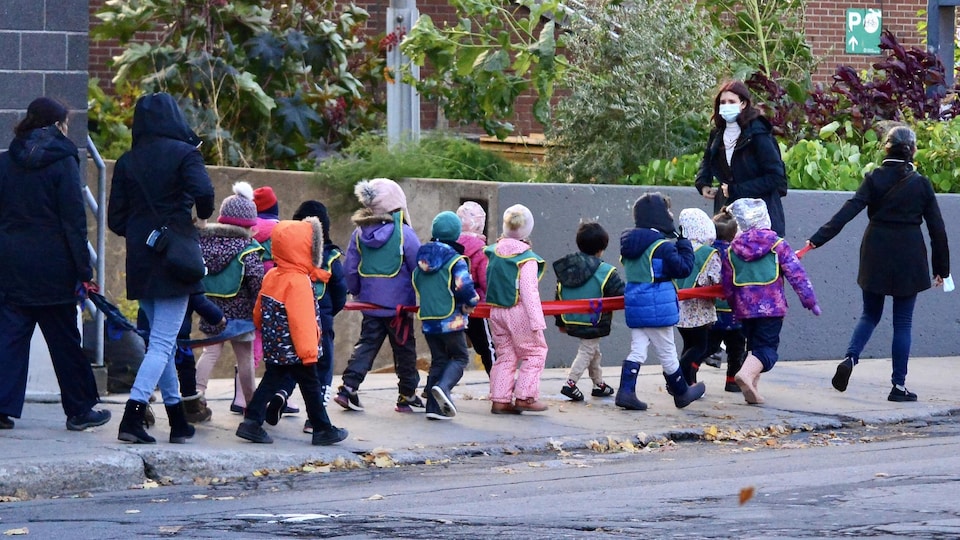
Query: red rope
558,307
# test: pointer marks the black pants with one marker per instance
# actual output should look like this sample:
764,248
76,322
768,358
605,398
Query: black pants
448,359
763,339
695,342
58,323
273,380
373,330
735,344
482,341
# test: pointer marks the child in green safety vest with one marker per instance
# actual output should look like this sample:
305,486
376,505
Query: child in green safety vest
580,276
727,330
446,297
234,275
516,316
753,271
697,315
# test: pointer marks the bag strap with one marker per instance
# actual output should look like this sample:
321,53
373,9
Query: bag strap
899,184
146,195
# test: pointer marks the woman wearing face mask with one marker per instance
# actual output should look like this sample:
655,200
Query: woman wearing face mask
742,155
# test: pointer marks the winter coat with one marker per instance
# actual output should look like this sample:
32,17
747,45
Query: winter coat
335,289
575,270
221,243
262,234
766,300
165,165
473,245
700,230
893,254
43,227
654,305
286,311
756,170
375,230
432,258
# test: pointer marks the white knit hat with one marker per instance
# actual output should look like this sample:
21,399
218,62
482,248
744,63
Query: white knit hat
517,222
750,214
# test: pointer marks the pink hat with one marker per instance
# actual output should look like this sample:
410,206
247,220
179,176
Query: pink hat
239,209
382,196
517,222
472,217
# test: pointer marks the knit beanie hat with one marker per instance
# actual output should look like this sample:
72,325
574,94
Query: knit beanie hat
697,226
446,227
382,196
266,201
517,222
750,214
318,210
239,208
652,211
472,216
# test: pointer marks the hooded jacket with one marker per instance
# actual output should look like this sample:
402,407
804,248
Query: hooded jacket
574,271
699,228
764,300
375,230
432,258
165,168
43,227
473,245
756,170
286,311
222,244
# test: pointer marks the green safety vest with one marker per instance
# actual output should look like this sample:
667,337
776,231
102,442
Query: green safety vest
386,260
267,254
320,287
763,271
593,288
640,270
503,276
701,256
434,293
226,283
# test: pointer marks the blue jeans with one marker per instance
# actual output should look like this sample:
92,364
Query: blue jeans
159,365
902,325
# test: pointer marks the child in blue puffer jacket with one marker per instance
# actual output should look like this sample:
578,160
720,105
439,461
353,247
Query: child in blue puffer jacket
650,263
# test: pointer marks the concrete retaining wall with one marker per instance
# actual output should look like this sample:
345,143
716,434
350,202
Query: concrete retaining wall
558,209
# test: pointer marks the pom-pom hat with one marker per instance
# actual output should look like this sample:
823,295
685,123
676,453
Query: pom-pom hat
239,208
382,196
517,222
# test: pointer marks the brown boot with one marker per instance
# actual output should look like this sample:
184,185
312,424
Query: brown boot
503,408
530,404
196,410
748,377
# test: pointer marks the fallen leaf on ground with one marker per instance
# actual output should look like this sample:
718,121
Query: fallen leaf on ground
375,497
16,532
746,494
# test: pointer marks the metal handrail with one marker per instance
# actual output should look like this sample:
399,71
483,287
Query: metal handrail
98,206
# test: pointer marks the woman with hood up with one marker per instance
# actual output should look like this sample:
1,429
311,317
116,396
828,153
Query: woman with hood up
157,183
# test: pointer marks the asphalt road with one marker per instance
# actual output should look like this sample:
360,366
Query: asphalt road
892,481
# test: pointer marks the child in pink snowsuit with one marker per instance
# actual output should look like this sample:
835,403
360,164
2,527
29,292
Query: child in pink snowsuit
516,316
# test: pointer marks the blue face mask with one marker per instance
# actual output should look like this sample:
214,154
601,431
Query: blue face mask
729,111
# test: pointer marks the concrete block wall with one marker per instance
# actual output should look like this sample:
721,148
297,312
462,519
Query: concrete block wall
45,53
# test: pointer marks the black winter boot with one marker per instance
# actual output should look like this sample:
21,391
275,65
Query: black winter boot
682,393
180,429
131,426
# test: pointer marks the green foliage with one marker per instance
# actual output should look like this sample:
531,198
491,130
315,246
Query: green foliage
265,82
938,154
766,35
495,52
831,162
645,74
109,119
435,156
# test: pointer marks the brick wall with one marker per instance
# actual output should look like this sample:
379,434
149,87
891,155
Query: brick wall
824,30
44,44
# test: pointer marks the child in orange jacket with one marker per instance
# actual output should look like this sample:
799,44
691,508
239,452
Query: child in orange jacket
287,314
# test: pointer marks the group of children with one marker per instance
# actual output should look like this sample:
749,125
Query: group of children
386,268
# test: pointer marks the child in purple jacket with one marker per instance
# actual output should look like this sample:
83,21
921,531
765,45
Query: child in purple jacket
753,271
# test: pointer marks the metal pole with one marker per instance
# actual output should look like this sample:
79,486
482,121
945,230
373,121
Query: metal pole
99,211
403,102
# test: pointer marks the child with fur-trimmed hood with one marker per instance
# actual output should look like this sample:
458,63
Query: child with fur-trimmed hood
758,259
380,260
287,314
234,274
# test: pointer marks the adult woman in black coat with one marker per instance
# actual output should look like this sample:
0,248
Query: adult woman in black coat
897,199
43,239
743,156
157,183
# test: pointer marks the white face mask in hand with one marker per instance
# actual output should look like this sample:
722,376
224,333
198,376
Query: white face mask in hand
729,111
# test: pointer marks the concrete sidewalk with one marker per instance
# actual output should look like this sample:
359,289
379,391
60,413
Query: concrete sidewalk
40,457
